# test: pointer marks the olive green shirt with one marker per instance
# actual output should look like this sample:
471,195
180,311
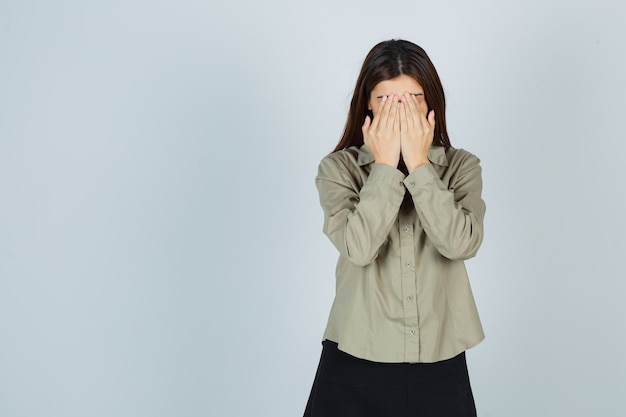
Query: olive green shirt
402,291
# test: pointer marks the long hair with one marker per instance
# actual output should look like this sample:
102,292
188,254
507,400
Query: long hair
388,60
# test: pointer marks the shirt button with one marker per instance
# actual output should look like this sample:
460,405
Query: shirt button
412,183
410,298
407,229
407,264
411,332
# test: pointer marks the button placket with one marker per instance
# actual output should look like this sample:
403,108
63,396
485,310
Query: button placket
409,289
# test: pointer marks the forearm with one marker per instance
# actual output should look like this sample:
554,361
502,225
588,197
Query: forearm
452,218
358,222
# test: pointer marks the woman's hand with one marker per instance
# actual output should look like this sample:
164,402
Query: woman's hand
416,130
382,135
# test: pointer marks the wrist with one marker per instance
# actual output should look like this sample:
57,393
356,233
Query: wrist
389,163
392,162
416,164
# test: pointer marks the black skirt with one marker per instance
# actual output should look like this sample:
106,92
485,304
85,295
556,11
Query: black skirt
346,386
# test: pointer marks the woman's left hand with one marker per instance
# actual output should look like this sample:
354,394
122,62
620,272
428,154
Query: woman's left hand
416,130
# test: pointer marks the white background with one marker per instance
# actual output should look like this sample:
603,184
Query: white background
161,251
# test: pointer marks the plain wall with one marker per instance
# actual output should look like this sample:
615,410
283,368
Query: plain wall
161,251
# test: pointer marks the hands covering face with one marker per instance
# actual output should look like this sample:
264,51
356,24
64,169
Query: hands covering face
400,127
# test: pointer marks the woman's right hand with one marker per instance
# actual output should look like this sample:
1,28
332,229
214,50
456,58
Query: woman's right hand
382,135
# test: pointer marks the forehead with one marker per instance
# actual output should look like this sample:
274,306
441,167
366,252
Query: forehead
398,85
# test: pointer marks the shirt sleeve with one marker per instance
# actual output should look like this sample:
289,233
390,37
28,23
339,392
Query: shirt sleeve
452,216
358,222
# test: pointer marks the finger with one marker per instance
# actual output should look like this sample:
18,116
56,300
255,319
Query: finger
365,129
431,118
393,117
376,119
384,115
410,109
420,116
416,104
402,110
366,125
397,118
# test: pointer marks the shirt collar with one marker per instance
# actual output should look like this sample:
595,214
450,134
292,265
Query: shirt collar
436,155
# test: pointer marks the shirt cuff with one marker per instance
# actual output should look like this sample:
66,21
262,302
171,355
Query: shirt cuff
386,173
421,176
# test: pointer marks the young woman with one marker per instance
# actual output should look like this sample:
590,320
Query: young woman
404,210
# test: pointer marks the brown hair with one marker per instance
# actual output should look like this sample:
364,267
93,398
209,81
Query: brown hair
388,60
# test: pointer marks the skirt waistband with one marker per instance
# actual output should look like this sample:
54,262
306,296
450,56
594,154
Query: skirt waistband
342,368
